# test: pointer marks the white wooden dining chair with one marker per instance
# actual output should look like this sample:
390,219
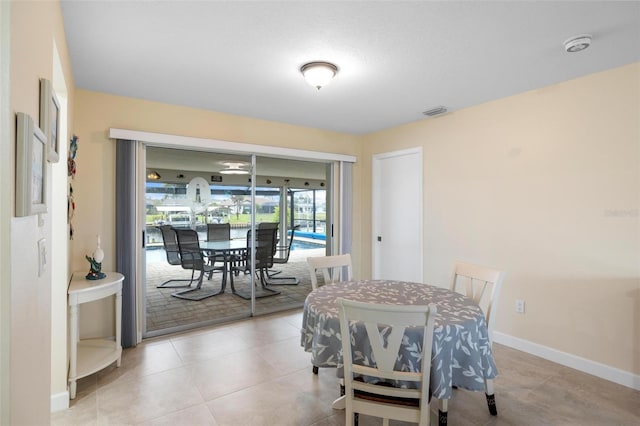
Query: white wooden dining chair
366,322
331,267
483,285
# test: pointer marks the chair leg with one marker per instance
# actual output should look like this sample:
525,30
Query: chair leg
315,369
491,397
186,294
442,412
273,279
264,282
189,282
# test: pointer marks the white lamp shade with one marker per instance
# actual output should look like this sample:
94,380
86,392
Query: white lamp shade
98,253
318,74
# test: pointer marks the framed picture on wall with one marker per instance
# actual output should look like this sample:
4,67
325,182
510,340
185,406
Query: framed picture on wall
31,167
50,119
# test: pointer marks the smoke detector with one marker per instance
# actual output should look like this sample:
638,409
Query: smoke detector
577,43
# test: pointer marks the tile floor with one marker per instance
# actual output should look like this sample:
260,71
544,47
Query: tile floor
254,372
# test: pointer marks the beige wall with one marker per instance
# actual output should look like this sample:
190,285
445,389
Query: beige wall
35,26
546,186
94,185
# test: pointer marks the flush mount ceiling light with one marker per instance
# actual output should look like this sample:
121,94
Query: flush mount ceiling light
577,43
234,168
153,175
318,74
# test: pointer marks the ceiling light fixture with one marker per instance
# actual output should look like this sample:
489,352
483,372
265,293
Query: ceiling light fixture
153,175
577,43
318,74
234,168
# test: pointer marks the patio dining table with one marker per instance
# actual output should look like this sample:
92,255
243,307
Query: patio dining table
228,250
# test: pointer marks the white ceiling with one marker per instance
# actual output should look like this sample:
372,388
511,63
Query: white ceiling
396,59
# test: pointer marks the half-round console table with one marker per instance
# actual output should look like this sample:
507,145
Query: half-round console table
90,355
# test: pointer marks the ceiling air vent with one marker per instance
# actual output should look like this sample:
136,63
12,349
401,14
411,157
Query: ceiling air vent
435,111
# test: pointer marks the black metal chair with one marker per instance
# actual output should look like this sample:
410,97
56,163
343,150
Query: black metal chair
261,225
281,256
268,225
170,242
193,258
264,249
218,232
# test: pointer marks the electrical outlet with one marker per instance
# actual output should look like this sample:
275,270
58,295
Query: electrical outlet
520,306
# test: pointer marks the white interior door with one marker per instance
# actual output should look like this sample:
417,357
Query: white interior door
397,215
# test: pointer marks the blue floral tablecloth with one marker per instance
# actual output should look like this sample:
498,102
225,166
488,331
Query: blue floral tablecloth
461,353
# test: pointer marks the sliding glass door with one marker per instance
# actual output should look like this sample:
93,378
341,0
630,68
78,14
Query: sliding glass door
200,193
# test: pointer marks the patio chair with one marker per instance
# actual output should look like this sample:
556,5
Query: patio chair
281,256
218,232
365,324
194,259
240,263
172,251
264,249
268,225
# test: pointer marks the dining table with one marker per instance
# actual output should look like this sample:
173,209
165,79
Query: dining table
461,354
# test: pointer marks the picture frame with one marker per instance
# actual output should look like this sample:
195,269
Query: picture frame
31,167
50,119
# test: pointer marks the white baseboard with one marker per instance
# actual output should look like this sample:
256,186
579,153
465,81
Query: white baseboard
597,369
59,401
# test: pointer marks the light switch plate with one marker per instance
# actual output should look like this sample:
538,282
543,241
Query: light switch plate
42,256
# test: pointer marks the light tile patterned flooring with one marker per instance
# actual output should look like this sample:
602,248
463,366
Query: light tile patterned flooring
165,313
254,372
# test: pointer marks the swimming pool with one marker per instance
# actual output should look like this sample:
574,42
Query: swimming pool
305,245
